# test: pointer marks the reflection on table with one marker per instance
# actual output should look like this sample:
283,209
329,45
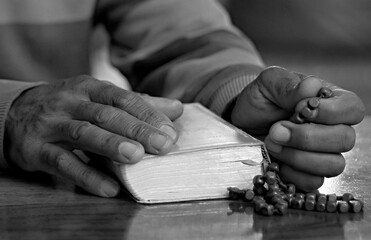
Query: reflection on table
37,206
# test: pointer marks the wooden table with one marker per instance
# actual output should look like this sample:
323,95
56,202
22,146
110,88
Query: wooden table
36,206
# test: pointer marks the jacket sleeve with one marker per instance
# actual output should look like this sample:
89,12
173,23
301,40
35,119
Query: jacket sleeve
187,50
9,91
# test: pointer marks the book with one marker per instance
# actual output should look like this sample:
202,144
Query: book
209,156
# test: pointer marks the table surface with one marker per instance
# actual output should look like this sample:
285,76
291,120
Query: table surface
37,206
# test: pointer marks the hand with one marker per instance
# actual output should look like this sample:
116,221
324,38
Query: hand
306,152
46,124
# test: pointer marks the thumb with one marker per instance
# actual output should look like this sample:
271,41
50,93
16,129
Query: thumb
271,97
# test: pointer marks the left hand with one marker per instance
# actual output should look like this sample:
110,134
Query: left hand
307,152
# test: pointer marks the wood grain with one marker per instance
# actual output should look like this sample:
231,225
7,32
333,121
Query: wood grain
37,206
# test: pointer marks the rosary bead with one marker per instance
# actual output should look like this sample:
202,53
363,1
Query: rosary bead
281,209
258,206
355,206
310,204
331,197
259,190
300,196
310,196
321,198
343,207
249,195
258,198
291,189
271,178
276,198
325,92
331,206
289,201
274,186
274,167
258,181
271,193
235,193
313,103
267,210
347,197
321,206
297,203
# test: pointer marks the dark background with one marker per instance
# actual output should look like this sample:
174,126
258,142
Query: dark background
327,38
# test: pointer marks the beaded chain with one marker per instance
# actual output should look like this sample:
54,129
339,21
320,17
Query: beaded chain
271,196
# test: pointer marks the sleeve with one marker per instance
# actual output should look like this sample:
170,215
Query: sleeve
187,50
9,91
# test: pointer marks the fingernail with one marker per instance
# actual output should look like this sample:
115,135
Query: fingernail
109,189
169,131
280,134
296,118
273,147
129,150
306,112
159,141
313,103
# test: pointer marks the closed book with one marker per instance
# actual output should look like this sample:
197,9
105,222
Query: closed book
209,156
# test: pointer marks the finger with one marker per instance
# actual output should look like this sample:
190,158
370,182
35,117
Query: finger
131,103
285,88
303,181
271,97
314,163
343,107
172,108
88,137
58,161
313,137
122,123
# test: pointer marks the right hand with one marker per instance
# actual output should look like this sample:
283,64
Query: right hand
307,152
47,123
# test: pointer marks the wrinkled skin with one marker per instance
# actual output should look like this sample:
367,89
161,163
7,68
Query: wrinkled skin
47,123
306,152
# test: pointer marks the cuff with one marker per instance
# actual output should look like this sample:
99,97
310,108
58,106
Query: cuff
226,93
9,91
223,88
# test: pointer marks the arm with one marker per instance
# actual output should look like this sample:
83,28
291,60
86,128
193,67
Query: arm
190,51
9,91
180,49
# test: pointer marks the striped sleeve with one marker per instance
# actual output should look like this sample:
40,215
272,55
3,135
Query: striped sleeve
181,49
9,91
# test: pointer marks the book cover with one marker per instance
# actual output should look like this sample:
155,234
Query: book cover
210,156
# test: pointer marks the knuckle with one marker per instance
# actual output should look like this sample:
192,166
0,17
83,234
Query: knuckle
150,117
128,100
86,177
60,162
83,81
101,115
137,130
78,130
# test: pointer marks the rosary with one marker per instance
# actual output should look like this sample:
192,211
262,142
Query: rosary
270,196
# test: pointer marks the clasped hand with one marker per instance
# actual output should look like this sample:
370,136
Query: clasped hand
306,152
